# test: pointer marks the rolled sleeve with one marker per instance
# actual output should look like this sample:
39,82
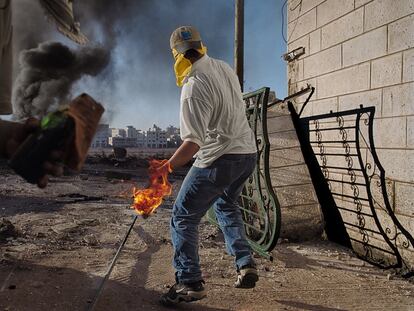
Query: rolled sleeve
195,115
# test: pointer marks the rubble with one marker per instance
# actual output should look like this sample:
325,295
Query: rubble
71,230
7,230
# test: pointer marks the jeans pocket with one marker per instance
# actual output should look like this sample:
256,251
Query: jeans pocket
221,174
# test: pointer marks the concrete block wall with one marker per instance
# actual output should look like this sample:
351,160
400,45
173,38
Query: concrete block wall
361,52
301,216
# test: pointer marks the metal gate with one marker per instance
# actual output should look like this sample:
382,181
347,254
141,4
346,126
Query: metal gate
349,180
258,202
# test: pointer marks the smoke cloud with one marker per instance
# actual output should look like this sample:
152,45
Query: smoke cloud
137,86
48,73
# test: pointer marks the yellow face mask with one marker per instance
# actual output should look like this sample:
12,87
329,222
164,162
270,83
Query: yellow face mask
182,66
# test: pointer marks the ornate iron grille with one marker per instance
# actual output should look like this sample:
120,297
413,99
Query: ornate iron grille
258,202
341,144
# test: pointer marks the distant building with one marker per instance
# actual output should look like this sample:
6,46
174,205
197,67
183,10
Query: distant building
141,139
123,142
156,138
101,138
131,132
118,132
172,130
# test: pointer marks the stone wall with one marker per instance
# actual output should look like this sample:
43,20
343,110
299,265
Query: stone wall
301,216
361,52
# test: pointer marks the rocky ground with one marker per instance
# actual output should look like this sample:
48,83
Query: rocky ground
56,245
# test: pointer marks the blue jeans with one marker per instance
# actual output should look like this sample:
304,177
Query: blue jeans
218,185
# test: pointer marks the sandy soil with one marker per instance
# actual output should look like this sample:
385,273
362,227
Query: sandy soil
67,235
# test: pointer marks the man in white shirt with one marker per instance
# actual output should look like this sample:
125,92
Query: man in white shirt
214,128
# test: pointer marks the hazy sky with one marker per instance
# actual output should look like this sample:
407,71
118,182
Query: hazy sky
138,87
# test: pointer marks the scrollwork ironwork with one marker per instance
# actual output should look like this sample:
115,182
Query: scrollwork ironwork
364,172
258,203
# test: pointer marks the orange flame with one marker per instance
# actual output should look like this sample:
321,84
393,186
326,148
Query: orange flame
147,200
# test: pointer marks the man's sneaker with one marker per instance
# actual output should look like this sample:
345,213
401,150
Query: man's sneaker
247,277
183,292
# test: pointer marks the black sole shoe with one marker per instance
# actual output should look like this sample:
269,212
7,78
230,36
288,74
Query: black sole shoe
247,278
183,293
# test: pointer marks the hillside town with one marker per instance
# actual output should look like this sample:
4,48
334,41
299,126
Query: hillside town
131,137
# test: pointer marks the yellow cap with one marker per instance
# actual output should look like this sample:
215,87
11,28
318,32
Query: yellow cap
185,38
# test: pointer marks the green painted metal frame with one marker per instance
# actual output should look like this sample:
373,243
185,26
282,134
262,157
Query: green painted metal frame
258,202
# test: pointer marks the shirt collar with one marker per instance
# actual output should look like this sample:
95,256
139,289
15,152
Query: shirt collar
199,63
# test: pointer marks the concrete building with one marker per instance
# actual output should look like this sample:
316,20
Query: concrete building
115,132
173,137
131,132
361,52
156,138
101,138
124,142
141,139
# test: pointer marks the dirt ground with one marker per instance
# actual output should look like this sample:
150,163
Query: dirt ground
65,236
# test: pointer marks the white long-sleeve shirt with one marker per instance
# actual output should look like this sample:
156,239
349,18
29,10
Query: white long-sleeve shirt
212,113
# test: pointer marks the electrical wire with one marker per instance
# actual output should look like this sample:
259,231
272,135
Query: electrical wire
283,19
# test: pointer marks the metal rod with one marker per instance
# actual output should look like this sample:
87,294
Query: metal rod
239,41
297,94
111,266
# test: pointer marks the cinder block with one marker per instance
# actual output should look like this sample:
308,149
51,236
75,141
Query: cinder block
397,163
284,139
404,198
332,9
292,15
336,182
315,41
365,47
290,175
344,28
407,222
280,110
279,124
326,61
408,66
401,34
381,12
410,132
408,255
296,87
359,3
349,80
390,132
305,5
367,99
304,25
296,195
398,100
287,156
386,71
377,193
310,4
295,70
323,106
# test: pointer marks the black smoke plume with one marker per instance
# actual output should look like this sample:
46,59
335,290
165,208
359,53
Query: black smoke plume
48,73
137,86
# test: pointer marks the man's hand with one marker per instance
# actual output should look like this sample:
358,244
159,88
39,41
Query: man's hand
160,168
50,166
184,154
